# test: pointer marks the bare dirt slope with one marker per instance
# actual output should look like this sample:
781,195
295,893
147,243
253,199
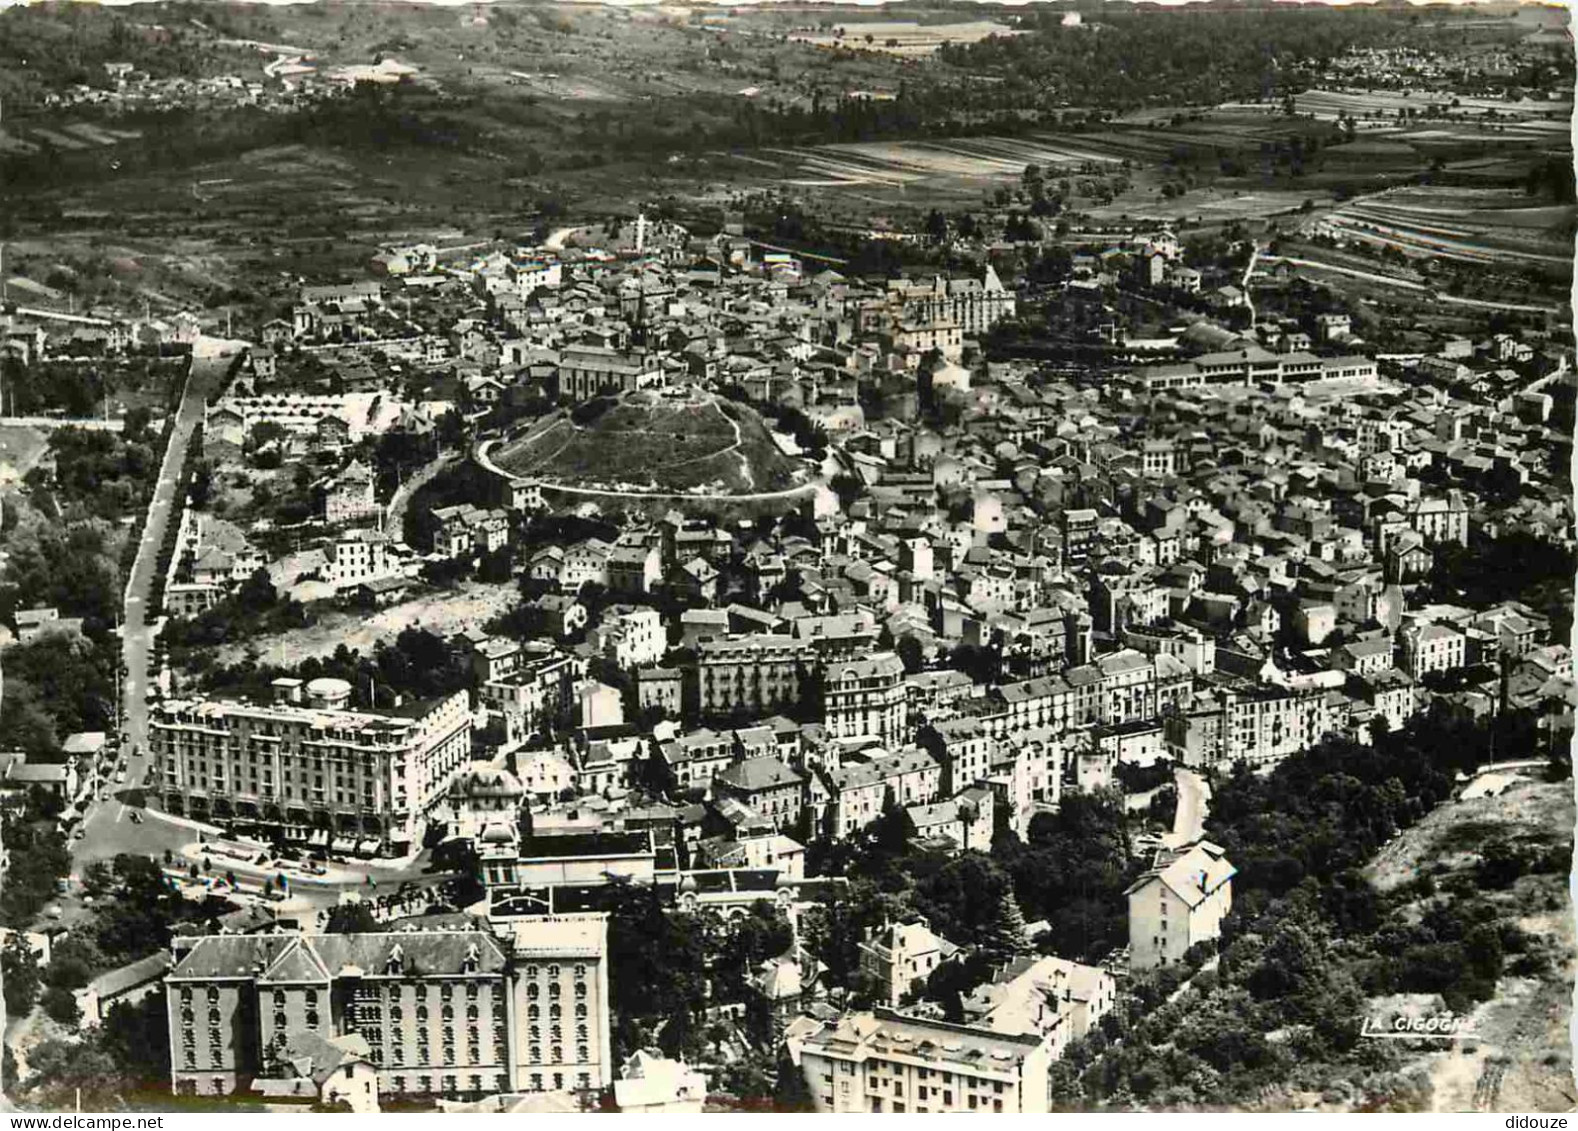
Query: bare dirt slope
1520,1057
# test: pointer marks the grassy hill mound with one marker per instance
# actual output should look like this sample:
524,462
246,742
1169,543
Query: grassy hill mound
652,441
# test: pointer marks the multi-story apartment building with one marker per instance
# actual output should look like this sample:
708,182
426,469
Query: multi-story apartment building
866,699
1441,519
696,757
635,569
882,1061
1040,759
848,798
1125,600
771,788
1267,724
584,562
359,556
1045,995
1135,686
1158,458
1189,646
452,1014
467,529
306,766
1364,657
538,689
1432,648
913,776
973,305
1124,686
962,824
963,747
630,635
1079,530
1181,901
1391,693
757,672
897,955
662,688
934,691
1255,725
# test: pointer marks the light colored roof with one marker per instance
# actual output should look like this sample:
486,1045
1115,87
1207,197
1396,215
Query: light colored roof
85,742
133,974
649,1078
1193,875
885,1032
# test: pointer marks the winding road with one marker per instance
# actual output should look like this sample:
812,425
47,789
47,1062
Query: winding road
480,453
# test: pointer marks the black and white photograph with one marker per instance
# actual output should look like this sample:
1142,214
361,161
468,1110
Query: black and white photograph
792,557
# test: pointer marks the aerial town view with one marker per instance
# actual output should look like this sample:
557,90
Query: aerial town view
671,558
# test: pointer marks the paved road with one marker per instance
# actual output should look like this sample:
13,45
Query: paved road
1249,270
400,501
482,457
1189,820
107,829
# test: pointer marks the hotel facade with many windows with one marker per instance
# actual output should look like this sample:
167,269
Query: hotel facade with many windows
310,770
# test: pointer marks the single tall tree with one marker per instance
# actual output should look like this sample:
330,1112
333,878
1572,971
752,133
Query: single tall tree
1005,937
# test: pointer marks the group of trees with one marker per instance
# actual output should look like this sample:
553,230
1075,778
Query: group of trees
1515,567
70,566
38,859
1071,871
1175,57
104,474
125,1062
416,664
255,608
57,684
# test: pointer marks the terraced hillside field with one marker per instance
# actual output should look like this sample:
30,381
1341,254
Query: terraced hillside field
652,441
1465,224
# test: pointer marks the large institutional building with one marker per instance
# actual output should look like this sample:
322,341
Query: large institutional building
444,1013
307,763
888,1062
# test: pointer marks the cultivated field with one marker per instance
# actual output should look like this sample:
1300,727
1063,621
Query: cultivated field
894,164
1466,224
1327,105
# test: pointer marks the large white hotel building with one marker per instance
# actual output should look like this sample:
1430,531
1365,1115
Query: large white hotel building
307,764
